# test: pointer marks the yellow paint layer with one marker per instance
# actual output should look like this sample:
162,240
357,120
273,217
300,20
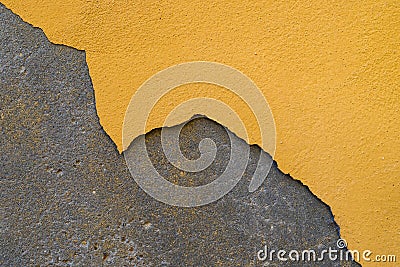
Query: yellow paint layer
329,70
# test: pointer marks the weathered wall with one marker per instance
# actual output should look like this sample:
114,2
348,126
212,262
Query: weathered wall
330,72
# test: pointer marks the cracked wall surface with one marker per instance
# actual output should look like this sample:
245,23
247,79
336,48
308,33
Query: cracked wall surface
68,199
330,73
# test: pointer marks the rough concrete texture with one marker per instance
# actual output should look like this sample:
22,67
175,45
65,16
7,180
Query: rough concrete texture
68,199
329,70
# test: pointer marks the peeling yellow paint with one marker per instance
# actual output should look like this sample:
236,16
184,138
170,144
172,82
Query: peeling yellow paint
329,70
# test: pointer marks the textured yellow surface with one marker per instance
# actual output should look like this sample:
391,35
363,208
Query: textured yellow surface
329,70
